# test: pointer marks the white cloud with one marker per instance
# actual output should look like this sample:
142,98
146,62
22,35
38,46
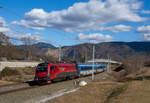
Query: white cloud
143,29
95,37
19,36
13,34
37,33
83,16
4,29
146,37
33,38
3,25
2,22
28,24
145,11
118,28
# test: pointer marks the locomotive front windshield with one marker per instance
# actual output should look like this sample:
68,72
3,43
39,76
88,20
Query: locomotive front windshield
42,67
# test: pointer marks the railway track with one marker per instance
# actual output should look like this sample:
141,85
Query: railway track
15,90
36,93
8,85
11,88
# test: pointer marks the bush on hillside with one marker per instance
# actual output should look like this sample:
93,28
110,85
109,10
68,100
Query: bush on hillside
8,72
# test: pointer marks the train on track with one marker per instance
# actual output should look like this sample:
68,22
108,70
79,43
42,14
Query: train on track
46,72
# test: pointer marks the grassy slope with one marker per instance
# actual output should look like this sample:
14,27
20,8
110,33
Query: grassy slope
96,92
129,92
134,91
137,92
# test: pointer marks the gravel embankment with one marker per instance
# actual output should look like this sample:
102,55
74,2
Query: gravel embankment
36,94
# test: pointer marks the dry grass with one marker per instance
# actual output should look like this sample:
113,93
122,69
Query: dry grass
5,82
18,74
137,92
134,91
96,92
109,92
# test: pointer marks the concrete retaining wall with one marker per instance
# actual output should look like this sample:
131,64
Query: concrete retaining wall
17,64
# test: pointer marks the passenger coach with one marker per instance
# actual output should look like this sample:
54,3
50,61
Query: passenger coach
87,69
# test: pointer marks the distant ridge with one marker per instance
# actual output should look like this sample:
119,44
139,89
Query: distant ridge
116,50
44,45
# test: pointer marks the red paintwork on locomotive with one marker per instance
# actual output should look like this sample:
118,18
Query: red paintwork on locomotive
41,74
59,68
62,67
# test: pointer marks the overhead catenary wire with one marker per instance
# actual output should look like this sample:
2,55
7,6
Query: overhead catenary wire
93,61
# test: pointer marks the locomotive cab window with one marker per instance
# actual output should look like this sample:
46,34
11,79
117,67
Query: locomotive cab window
52,67
42,68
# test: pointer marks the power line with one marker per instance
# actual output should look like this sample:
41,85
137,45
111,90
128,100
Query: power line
93,61
59,53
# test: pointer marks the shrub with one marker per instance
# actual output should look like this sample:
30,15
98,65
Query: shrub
134,63
8,72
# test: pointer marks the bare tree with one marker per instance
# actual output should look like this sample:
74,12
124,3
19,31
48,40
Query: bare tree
4,40
132,65
4,43
28,42
8,50
135,64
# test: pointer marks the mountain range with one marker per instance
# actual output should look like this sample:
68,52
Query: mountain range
114,50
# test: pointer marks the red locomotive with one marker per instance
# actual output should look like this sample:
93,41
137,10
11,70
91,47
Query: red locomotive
46,72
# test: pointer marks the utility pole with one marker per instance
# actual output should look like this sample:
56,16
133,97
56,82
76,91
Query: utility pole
109,65
86,55
59,53
74,54
93,62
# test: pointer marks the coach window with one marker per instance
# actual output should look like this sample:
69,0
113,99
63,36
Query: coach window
86,68
99,67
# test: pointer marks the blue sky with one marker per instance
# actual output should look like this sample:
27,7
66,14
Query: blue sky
70,22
